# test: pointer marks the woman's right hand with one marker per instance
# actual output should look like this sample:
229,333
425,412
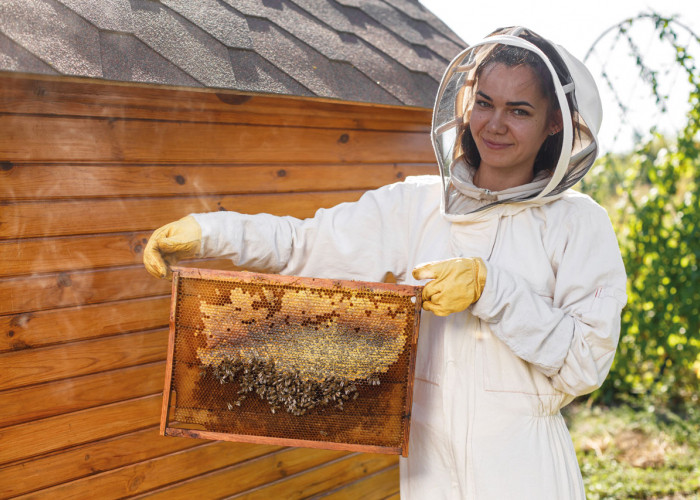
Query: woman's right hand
171,243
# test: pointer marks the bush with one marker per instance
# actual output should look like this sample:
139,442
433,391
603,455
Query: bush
652,195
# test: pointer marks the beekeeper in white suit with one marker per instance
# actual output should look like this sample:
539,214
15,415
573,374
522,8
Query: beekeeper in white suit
527,283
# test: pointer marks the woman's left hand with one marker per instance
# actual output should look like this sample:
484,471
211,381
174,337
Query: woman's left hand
456,284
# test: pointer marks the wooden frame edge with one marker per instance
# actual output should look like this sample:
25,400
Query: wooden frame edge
195,272
297,443
165,410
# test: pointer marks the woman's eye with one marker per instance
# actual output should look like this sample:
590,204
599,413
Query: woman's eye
483,104
521,112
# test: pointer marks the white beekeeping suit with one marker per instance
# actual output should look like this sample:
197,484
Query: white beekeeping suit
490,380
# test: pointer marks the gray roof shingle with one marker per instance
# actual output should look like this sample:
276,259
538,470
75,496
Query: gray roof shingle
110,15
125,57
416,11
216,18
379,51
13,57
53,33
183,43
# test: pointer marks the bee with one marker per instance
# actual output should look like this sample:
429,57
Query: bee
284,388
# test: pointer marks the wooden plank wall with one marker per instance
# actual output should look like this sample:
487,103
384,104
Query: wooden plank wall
87,171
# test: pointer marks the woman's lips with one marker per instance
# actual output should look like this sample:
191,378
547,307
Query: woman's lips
495,145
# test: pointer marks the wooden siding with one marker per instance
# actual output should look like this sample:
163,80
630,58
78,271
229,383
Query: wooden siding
87,171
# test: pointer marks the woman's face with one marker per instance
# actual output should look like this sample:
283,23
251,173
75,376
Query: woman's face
509,122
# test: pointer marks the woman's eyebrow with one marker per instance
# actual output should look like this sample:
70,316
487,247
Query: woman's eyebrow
520,103
509,103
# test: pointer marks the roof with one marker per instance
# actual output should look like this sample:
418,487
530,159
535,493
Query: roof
377,51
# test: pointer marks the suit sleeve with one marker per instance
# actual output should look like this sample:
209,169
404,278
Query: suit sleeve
573,337
362,240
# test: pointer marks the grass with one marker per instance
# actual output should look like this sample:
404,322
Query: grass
632,454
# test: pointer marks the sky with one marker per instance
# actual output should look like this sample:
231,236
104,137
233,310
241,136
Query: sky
576,26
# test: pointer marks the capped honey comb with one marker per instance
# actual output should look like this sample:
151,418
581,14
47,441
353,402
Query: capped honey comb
292,361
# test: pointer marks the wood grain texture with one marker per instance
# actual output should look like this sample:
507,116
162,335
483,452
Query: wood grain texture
47,435
52,291
20,181
82,322
377,486
36,366
70,138
87,459
23,296
81,217
142,477
45,255
322,478
79,393
78,97
249,475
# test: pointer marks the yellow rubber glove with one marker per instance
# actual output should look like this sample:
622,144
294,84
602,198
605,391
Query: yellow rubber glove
456,284
171,243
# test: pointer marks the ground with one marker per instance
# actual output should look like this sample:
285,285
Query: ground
642,454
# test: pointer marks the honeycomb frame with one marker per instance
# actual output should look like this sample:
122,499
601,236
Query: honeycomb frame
290,361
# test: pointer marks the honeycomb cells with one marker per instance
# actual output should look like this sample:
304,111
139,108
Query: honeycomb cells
293,358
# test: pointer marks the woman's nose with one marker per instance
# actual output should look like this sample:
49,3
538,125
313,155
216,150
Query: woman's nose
496,123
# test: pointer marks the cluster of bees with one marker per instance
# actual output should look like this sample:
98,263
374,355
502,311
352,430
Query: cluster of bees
284,389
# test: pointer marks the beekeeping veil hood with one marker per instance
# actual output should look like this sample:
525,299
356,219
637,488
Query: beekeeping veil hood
576,95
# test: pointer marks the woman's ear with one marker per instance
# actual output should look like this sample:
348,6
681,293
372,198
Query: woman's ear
555,123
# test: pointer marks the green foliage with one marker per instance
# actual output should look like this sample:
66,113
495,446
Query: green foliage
656,209
661,248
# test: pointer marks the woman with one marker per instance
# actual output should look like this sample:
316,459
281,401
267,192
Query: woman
527,283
